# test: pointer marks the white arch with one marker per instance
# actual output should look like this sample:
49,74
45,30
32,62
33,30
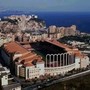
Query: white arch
46,59
65,59
59,55
53,58
56,59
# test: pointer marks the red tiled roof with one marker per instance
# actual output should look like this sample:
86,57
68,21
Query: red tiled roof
27,57
66,47
12,47
28,64
33,58
55,42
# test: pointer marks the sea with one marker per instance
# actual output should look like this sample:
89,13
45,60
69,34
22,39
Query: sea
66,19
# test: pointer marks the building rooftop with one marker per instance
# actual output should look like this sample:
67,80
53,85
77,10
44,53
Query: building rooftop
12,47
3,74
67,48
4,70
56,43
27,57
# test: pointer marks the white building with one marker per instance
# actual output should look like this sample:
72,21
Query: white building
29,65
7,83
65,62
4,75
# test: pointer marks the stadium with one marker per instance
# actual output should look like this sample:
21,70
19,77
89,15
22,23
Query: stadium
42,57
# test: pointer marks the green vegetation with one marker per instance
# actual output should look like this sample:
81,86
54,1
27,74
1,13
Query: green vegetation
85,39
81,83
11,21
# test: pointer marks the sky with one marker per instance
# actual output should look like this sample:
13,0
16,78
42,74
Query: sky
46,5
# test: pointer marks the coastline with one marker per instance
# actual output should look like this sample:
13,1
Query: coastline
80,19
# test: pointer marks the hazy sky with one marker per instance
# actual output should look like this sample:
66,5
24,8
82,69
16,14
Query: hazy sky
45,5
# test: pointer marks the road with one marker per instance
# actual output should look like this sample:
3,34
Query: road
70,77
35,87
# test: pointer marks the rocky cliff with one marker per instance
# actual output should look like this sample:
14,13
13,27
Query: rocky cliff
17,23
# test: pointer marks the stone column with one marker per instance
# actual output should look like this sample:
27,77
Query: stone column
63,59
53,60
46,60
66,59
60,59
57,60
50,60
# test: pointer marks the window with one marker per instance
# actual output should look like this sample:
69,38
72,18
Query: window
13,89
28,73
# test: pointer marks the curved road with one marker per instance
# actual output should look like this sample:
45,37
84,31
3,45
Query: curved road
35,87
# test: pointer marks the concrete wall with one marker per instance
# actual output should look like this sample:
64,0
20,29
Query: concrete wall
77,62
4,80
31,72
85,62
59,70
40,66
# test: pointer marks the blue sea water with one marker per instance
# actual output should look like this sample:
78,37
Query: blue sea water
81,20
